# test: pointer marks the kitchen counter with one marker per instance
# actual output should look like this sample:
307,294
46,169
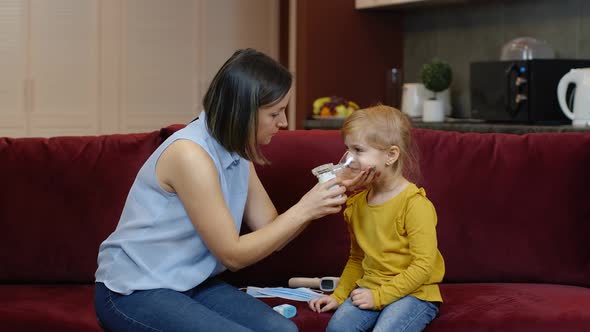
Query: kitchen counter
462,125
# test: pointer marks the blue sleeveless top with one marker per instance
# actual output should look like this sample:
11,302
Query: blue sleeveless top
155,245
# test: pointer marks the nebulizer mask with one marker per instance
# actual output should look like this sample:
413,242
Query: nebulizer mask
347,167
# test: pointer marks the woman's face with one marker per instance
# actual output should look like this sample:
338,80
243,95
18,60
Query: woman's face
271,119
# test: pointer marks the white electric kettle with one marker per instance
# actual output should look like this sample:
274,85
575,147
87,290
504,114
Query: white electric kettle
580,114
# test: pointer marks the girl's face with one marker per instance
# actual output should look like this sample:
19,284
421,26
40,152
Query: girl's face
366,155
271,119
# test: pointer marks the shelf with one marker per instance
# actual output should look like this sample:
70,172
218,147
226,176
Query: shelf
506,128
463,125
401,4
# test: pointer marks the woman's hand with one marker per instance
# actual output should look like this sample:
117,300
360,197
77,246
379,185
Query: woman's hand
362,298
323,304
360,180
323,199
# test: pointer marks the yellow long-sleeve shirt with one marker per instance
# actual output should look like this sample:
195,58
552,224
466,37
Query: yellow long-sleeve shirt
393,249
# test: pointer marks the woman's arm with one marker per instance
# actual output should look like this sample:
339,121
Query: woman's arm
187,169
260,211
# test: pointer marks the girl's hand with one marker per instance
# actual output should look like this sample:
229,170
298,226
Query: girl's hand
323,304
362,298
323,199
360,180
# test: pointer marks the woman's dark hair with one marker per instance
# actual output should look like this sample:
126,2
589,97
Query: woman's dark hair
247,81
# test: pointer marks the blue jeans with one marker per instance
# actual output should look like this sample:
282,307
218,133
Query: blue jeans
211,306
406,314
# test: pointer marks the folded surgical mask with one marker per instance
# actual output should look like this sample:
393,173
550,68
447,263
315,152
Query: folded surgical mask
296,294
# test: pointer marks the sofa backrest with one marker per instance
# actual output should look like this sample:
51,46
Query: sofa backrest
60,198
510,208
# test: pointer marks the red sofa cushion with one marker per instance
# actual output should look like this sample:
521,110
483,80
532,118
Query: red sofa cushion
467,307
58,308
62,197
490,307
513,307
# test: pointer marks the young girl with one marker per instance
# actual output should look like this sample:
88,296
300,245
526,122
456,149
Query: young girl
390,281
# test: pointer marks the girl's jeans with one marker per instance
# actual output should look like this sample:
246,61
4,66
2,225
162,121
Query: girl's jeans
406,314
211,306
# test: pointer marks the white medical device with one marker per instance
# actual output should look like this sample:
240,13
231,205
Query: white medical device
326,284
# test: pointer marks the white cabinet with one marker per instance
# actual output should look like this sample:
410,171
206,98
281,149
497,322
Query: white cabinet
87,67
159,64
49,65
148,64
13,87
171,54
62,69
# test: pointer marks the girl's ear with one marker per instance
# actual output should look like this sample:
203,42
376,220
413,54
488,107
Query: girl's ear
392,155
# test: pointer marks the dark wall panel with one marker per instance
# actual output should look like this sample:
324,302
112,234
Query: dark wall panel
343,51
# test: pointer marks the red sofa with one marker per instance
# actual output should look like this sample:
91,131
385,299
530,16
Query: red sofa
514,225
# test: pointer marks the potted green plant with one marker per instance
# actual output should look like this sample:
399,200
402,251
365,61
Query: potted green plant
436,77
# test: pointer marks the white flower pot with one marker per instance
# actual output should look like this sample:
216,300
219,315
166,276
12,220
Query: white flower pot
434,110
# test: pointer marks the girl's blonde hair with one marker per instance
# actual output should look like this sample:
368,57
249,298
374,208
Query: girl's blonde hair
382,127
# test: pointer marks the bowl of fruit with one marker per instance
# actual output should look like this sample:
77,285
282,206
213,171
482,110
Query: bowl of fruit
333,107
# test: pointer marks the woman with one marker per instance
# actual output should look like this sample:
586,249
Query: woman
181,222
